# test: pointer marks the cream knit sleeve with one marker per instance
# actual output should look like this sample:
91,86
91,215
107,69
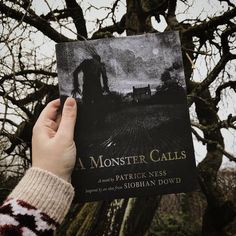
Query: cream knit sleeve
46,192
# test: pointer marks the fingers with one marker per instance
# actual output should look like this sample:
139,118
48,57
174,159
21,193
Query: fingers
68,119
46,123
50,111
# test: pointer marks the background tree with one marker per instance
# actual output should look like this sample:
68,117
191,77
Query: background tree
28,81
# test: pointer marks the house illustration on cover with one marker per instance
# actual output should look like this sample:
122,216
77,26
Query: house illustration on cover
141,94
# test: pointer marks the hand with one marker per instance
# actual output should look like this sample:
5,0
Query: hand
53,147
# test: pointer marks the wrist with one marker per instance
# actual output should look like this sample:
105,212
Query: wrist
45,191
57,172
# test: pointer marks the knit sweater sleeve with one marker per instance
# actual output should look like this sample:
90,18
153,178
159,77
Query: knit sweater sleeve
37,205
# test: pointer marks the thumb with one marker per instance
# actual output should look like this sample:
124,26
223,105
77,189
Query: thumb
68,119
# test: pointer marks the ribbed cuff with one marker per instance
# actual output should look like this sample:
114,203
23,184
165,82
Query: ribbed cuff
45,191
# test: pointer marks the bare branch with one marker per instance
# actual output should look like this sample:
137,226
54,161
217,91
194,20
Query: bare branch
171,17
56,15
8,121
228,2
210,78
197,30
229,84
17,103
218,146
229,123
118,27
35,21
26,72
224,38
76,13
38,95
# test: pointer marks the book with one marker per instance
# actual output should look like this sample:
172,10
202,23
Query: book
133,133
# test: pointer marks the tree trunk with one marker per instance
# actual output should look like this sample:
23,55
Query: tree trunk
138,215
219,212
137,20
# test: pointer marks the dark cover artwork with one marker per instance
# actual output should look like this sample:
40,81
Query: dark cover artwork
133,132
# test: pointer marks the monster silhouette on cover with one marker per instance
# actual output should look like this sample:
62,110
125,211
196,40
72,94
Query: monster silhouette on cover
92,70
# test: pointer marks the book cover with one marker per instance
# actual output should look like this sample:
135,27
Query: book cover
133,134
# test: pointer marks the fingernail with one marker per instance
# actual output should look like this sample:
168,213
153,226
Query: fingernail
70,102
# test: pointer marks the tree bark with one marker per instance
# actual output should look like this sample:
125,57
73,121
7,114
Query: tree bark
138,215
219,212
137,21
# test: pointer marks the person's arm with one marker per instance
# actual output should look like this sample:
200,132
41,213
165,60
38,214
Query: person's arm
42,198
